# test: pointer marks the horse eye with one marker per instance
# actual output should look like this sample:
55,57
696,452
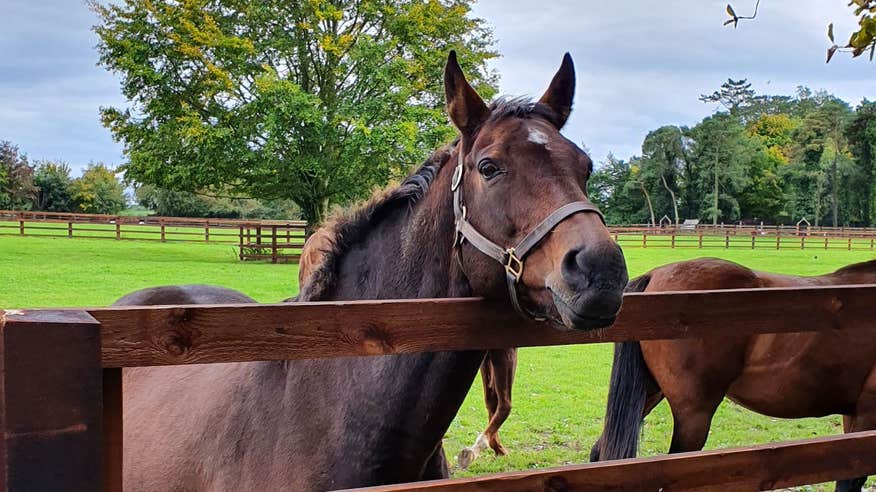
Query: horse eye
489,169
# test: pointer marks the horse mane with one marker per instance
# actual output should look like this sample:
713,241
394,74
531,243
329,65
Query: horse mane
862,267
350,226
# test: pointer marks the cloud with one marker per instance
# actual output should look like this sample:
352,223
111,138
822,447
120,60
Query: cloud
645,66
640,65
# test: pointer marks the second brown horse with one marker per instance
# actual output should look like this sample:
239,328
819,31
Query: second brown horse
792,375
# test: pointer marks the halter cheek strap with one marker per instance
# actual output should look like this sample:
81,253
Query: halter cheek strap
511,258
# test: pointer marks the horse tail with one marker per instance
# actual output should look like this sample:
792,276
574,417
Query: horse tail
630,379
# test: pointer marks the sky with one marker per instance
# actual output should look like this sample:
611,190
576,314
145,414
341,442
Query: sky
640,65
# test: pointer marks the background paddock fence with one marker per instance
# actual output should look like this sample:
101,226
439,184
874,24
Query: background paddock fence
249,234
69,419
744,239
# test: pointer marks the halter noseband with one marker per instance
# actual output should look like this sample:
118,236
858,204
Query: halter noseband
511,258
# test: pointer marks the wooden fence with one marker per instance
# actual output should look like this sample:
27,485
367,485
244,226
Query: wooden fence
147,228
742,239
62,425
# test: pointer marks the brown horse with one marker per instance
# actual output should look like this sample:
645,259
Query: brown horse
338,423
791,375
803,370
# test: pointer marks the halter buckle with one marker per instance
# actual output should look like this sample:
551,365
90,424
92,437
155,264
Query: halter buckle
513,265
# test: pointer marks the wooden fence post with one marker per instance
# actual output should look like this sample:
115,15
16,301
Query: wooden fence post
51,401
21,227
644,240
118,230
701,240
241,243
273,244
727,239
850,244
207,231
753,237
259,235
161,222
778,239
288,233
802,242
825,242
69,228
673,240
112,430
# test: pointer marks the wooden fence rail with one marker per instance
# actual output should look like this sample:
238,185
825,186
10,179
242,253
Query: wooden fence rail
60,422
280,242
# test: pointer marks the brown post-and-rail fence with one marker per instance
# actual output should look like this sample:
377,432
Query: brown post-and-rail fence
281,241
278,241
62,422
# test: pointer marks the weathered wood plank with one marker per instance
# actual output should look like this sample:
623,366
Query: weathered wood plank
50,416
766,467
147,336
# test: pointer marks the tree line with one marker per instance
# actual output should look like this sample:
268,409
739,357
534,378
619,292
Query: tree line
770,158
48,185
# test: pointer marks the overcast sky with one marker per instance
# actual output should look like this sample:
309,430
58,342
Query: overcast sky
638,68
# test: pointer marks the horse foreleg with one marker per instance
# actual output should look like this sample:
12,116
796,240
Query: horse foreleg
497,374
504,365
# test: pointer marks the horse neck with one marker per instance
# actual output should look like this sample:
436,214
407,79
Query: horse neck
411,399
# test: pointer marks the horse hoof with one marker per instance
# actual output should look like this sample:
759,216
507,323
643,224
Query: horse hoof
501,451
466,458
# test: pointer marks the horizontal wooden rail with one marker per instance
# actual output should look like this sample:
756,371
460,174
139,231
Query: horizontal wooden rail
168,335
766,467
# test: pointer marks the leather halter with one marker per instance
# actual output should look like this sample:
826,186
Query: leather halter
511,258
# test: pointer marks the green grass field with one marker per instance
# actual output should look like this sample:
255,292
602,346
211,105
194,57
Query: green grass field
560,392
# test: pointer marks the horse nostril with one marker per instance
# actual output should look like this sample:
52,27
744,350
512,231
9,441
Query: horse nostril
576,269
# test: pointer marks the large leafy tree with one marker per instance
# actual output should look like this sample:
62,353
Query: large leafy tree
663,165
317,101
17,189
722,151
861,134
98,191
53,180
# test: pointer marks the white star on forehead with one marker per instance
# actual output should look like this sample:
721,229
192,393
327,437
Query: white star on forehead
537,137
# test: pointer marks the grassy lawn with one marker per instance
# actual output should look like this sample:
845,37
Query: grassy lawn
559,394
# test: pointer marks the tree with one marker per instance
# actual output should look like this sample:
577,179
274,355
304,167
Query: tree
53,180
861,134
313,101
16,178
822,128
98,191
664,158
637,182
722,151
608,186
735,95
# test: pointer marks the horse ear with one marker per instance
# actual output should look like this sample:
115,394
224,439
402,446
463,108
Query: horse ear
560,93
466,108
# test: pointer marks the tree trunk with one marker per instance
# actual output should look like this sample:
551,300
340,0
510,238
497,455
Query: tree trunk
671,194
834,192
314,214
648,201
715,210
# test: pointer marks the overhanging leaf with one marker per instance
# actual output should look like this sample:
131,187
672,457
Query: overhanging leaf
830,32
